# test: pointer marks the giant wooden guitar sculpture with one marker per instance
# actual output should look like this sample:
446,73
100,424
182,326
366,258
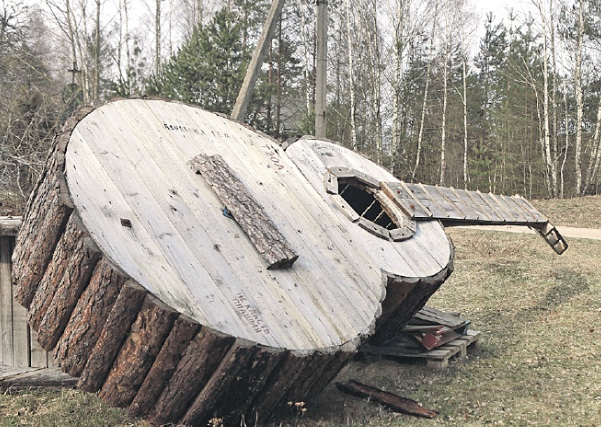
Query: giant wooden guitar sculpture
187,267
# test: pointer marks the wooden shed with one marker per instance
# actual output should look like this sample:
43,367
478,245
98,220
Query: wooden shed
187,267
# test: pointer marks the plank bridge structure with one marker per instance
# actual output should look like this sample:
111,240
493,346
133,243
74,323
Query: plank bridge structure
186,267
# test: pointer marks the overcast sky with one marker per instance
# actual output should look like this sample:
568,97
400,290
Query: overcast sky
499,8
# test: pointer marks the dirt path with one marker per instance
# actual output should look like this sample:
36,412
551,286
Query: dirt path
580,233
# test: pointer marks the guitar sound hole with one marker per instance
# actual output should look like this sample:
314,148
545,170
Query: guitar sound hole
363,201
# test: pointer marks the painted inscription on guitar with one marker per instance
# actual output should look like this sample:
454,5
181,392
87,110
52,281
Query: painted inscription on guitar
250,314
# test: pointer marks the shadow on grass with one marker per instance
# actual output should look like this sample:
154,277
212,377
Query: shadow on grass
508,325
569,284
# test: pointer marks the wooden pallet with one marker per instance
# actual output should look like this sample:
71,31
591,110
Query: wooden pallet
437,358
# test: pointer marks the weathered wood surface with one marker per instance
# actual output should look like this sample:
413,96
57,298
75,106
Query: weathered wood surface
462,206
178,235
251,216
437,358
16,378
427,253
17,348
159,302
9,225
415,297
7,341
38,356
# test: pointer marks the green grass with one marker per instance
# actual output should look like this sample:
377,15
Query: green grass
538,364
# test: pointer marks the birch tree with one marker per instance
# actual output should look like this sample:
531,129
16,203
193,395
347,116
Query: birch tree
579,96
467,29
374,50
157,36
427,76
96,49
450,22
595,158
351,75
549,157
400,17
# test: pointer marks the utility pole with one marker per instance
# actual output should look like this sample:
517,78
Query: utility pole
320,78
256,62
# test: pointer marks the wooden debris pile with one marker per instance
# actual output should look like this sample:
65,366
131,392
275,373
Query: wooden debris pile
431,328
431,334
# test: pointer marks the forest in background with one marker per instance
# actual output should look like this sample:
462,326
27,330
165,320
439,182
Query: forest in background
425,88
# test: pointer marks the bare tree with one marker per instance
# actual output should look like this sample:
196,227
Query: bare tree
29,109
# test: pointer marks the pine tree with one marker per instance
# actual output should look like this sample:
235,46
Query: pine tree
209,68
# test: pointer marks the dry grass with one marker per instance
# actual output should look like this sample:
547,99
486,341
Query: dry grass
539,362
539,359
577,212
59,408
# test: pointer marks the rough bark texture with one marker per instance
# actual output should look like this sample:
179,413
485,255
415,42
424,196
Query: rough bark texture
332,369
390,400
251,216
228,394
46,216
289,370
221,382
66,277
322,369
248,383
201,358
397,290
416,296
108,331
112,336
86,323
311,373
145,339
33,254
164,365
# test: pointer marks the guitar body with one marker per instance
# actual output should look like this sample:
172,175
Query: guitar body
184,265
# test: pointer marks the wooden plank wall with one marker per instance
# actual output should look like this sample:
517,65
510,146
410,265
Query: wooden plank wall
18,346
